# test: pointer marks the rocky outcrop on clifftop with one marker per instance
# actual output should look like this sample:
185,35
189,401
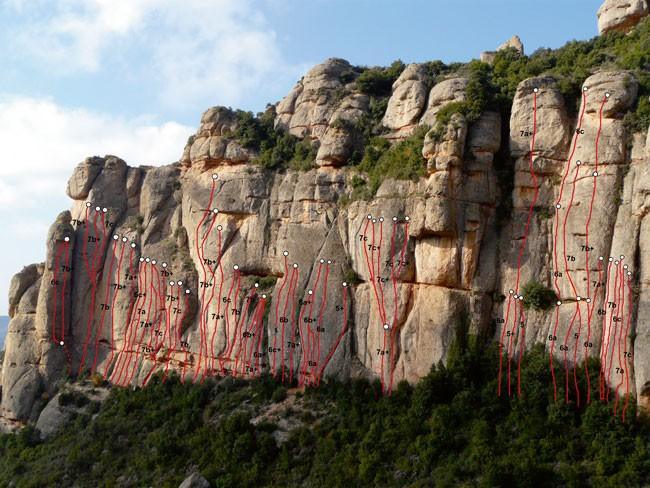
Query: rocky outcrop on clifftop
621,15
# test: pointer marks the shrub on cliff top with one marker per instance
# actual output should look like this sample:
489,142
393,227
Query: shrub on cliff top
277,149
379,81
537,296
401,161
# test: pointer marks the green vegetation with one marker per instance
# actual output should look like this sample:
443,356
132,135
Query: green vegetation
450,430
135,223
378,81
73,397
381,160
477,95
537,296
350,276
490,87
265,282
277,149
571,64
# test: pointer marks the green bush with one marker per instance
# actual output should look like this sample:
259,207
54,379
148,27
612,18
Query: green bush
277,149
537,296
267,282
279,394
73,397
379,81
401,161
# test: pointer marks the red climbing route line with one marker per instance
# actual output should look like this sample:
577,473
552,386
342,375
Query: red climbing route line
503,334
100,245
127,343
378,249
291,294
292,343
145,325
160,318
535,196
518,308
62,334
319,327
306,338
200,252
256,351
277,311
511,337
129,274
370,268
58,283
603,351
225,354
55,297
117,289
254,332
628,353
106,308
241,316
393,326
613,316
84,248
218,314
566,349
587,265
243,334
344,329
556,223
182,312
621,369
175,334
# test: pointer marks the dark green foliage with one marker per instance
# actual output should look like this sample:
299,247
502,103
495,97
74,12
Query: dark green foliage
378,81
267,282
477,95
73,397
490,87
571,64
451,429
277,149
402,161
350,276
279,394
538,296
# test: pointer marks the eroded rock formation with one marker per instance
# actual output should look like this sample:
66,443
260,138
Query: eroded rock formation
153,269
621,15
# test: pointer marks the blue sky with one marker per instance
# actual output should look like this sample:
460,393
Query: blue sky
131,77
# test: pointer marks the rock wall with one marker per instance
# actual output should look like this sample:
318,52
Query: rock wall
621,15
215,266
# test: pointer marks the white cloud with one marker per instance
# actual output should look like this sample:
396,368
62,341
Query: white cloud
42,142
192,50
73,34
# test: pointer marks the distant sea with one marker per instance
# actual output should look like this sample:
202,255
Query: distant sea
4,323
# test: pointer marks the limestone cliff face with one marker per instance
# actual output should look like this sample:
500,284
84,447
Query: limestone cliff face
215,266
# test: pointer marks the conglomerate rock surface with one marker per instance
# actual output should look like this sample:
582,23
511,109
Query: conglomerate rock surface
154,268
